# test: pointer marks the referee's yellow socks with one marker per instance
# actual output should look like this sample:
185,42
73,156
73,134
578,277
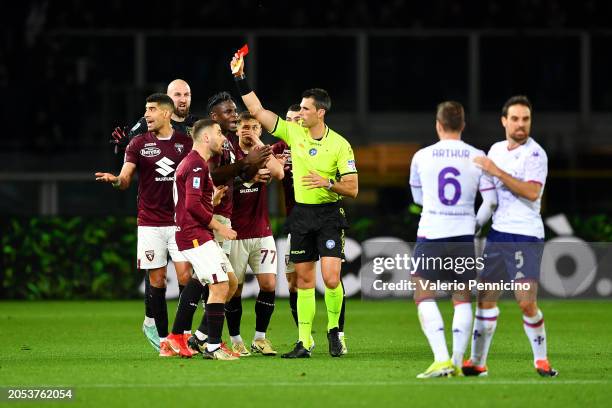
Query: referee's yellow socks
333,301
306,307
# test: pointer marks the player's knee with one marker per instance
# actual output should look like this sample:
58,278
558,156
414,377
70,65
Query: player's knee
157,278
238,290
218,292
305,282
331,282
268,285
183,277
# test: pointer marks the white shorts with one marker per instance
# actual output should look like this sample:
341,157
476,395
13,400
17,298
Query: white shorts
209,262
258,253
154,244
225,244
289,266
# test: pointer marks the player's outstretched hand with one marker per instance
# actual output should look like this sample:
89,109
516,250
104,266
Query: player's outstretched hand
314,180
106,178
259,156
219,194
227,233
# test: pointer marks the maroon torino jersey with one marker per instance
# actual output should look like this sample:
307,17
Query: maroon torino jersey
228,156
193,202
250,211
282,148
156,159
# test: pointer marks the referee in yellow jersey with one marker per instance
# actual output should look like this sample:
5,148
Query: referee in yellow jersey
324,171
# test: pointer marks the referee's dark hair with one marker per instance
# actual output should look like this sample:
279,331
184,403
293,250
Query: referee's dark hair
162,100
201,125
216,99
321,98
294,108
451,116
516,100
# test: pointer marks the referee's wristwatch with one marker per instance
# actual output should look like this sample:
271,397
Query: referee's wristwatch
331,184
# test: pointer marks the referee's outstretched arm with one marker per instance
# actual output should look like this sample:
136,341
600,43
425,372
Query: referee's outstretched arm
251,101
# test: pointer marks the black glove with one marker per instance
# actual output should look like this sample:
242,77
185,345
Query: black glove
122,136
120,139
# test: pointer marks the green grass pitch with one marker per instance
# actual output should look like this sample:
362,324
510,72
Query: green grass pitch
97,348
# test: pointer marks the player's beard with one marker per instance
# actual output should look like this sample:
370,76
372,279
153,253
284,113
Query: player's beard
181,112
519,137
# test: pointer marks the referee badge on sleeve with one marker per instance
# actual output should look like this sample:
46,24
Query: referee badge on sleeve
351,165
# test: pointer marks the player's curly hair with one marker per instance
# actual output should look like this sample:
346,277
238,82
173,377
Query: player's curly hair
217,99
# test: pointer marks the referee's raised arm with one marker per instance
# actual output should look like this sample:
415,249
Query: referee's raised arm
267,118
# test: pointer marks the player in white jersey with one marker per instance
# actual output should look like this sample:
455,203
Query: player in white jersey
514,246
445,180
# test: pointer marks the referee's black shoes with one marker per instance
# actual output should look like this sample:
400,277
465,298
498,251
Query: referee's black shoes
299,351
335,345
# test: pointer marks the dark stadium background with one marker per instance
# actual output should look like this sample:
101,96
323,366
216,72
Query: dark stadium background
70,71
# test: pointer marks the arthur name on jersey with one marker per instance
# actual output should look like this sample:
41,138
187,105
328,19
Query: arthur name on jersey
459,153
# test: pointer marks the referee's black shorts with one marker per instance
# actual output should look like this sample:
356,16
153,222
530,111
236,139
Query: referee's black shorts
316,230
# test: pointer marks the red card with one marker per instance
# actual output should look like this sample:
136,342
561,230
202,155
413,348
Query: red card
244,50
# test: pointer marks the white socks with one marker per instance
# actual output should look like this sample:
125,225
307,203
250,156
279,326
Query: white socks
149,321
259,335
462,324
534,329
433,327
485,323
201,336
236,339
